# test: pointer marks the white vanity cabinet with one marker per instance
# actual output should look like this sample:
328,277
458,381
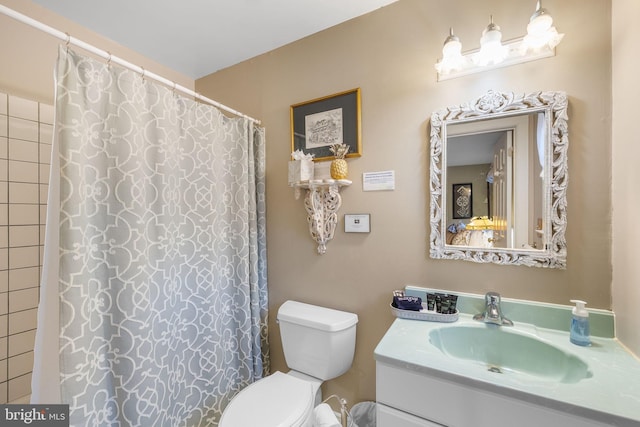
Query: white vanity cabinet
407,398
386,416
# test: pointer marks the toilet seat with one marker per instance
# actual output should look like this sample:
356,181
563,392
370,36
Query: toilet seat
279,400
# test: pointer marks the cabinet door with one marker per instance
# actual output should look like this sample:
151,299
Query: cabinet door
389,417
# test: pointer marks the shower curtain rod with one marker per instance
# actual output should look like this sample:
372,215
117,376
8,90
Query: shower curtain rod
112,58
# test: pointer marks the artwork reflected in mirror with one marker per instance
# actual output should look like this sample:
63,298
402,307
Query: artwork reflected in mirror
503,161
462,198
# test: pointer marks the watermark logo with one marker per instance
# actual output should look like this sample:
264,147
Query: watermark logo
34,415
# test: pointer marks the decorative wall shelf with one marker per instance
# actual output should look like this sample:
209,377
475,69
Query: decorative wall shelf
322,202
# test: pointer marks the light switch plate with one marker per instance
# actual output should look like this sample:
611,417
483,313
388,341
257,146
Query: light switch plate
357,223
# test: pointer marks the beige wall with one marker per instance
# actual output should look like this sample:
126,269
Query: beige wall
626,175
390,54
28,55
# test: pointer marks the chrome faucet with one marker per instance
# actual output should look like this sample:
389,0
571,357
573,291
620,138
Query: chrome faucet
492,311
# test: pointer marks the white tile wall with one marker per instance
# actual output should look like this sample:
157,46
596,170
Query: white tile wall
4,239
3,103
22,343
4,286
4,265
23,171
22,192
23,150
4,170
44,193
22,299
23,108
45,169
24,214
23,129
4,307
22,321
45,153
28,256
20,364
46,136
43,212
46,114
26,133
20,386
24,278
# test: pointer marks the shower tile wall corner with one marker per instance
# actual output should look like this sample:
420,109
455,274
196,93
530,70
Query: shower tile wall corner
26,130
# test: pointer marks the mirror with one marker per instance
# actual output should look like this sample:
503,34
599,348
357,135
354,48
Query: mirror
498,180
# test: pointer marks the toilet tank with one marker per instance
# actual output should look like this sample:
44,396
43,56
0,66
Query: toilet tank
317,341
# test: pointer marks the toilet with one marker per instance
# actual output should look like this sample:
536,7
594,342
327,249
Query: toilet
318,345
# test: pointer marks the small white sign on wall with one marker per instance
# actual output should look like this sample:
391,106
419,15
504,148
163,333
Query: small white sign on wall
379,181
357,223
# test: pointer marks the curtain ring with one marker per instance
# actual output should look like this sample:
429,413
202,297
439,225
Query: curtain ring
68,41
109,59
143,72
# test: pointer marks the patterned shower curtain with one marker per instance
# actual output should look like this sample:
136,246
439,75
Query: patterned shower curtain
162,251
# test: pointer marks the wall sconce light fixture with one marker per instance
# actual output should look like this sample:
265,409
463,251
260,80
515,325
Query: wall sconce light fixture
540,42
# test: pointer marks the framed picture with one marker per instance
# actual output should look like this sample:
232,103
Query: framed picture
462,201
322,122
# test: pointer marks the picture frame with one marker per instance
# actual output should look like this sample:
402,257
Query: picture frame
462,201
322,122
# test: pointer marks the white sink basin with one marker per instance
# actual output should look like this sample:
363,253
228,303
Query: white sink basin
504,350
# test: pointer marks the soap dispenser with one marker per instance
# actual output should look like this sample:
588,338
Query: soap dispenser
579,333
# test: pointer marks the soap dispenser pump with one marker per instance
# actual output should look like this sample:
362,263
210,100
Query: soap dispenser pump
579,333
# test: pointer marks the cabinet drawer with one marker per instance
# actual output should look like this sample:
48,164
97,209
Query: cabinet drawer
415,393
458,405
389,417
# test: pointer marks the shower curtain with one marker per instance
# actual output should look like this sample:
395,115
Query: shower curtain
154,289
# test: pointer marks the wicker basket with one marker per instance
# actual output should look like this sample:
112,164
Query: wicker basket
424,314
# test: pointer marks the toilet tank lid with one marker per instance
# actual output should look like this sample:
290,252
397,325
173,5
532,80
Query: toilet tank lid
313,316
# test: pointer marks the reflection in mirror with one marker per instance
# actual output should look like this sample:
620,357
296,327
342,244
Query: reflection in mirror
498,180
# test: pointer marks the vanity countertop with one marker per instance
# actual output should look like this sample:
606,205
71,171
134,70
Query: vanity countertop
611,395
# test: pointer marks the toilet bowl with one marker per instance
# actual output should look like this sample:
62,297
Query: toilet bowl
279,400
319,345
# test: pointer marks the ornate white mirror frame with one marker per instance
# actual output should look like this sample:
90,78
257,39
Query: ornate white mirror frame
554,221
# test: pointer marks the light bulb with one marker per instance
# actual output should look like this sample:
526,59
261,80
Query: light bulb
491,49
452,49
540,31
451,55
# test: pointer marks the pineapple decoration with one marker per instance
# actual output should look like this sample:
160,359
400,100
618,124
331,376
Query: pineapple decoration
339,167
